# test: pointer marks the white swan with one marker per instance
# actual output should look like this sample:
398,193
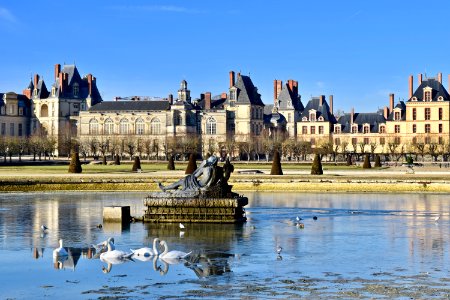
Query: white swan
146,251
103,246
174,254
60,251
114,255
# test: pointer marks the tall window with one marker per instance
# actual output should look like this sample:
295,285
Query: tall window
76,90
382,129
20,129
427,128
440,113
93,126
20,111
354,142
397,140
382,141
427,96
440,140
397,116
312,116
211,126
11,129
337,141
155,126
124,126
337,129
312,129
440,128
304,130
366,141
397,129
232,95
414,128
366,128
108,127
178,120
354,128
427,140
44,110
427,113
414,114
320,129
3,130
140,127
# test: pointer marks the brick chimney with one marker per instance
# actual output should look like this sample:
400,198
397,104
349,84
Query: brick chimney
57,70
61,82
275,94
352,115
321,99
170,99
291,85
391,102
420,78
208,100
386,112
410,86
440,77
89,78
231,78
279,87
295,91
36,80
330,99
223,96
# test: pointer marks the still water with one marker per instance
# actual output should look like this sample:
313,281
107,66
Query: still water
360,246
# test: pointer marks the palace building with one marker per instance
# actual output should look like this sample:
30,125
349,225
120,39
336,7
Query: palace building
71,107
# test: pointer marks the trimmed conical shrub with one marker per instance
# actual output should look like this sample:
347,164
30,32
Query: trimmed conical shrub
136,164
276,164
316,168
192,164
104,160
117,160
171,164
366,164
377,161
75,164
349,160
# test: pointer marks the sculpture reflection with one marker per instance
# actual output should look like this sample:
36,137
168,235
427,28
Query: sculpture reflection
68,261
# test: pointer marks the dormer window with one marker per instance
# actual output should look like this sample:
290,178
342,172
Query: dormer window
232,95
320,118
427,94
366,129
337,128
304,119
76,90
382,129
440,98
397,116
35,92
414,98
354,128
312,116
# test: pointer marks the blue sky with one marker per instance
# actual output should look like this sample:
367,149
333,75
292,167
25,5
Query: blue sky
359,51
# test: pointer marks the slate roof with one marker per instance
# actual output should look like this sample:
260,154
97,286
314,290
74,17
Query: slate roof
373,119
247,93
106,106
286,100
402,107
437,90
322,110
42,89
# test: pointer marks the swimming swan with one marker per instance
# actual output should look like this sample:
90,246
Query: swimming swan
171,254
60,251
146,251
114,255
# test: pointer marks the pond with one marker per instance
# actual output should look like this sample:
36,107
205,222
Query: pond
359,246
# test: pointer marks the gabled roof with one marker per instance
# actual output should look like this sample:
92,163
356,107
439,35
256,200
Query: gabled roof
42,89
402,107
286,100
109,106
437,90
373,119
322,110
247,93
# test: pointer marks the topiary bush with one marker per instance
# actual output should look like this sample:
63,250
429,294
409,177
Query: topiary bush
117,160
104,160
349,160
377,161
171,164
136,164
192,164
276,164
366,164
75,164
316,168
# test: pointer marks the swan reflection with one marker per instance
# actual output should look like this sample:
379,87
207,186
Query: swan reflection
69,261
205,265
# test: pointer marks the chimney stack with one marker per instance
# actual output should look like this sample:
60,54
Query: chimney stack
279,87
322,98
420,78
57,70
61,82
440,77
351,115
89,77
386,112
208,100
291,85
231,78
36,80
330,99
410,86
275,94
391,102
223,96
170,99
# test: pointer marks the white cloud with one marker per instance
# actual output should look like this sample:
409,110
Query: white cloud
163,8
6,15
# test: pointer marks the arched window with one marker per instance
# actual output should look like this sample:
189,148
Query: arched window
178,119
109,126
93,126
155,126
140,126
211,126
44,110
124,126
